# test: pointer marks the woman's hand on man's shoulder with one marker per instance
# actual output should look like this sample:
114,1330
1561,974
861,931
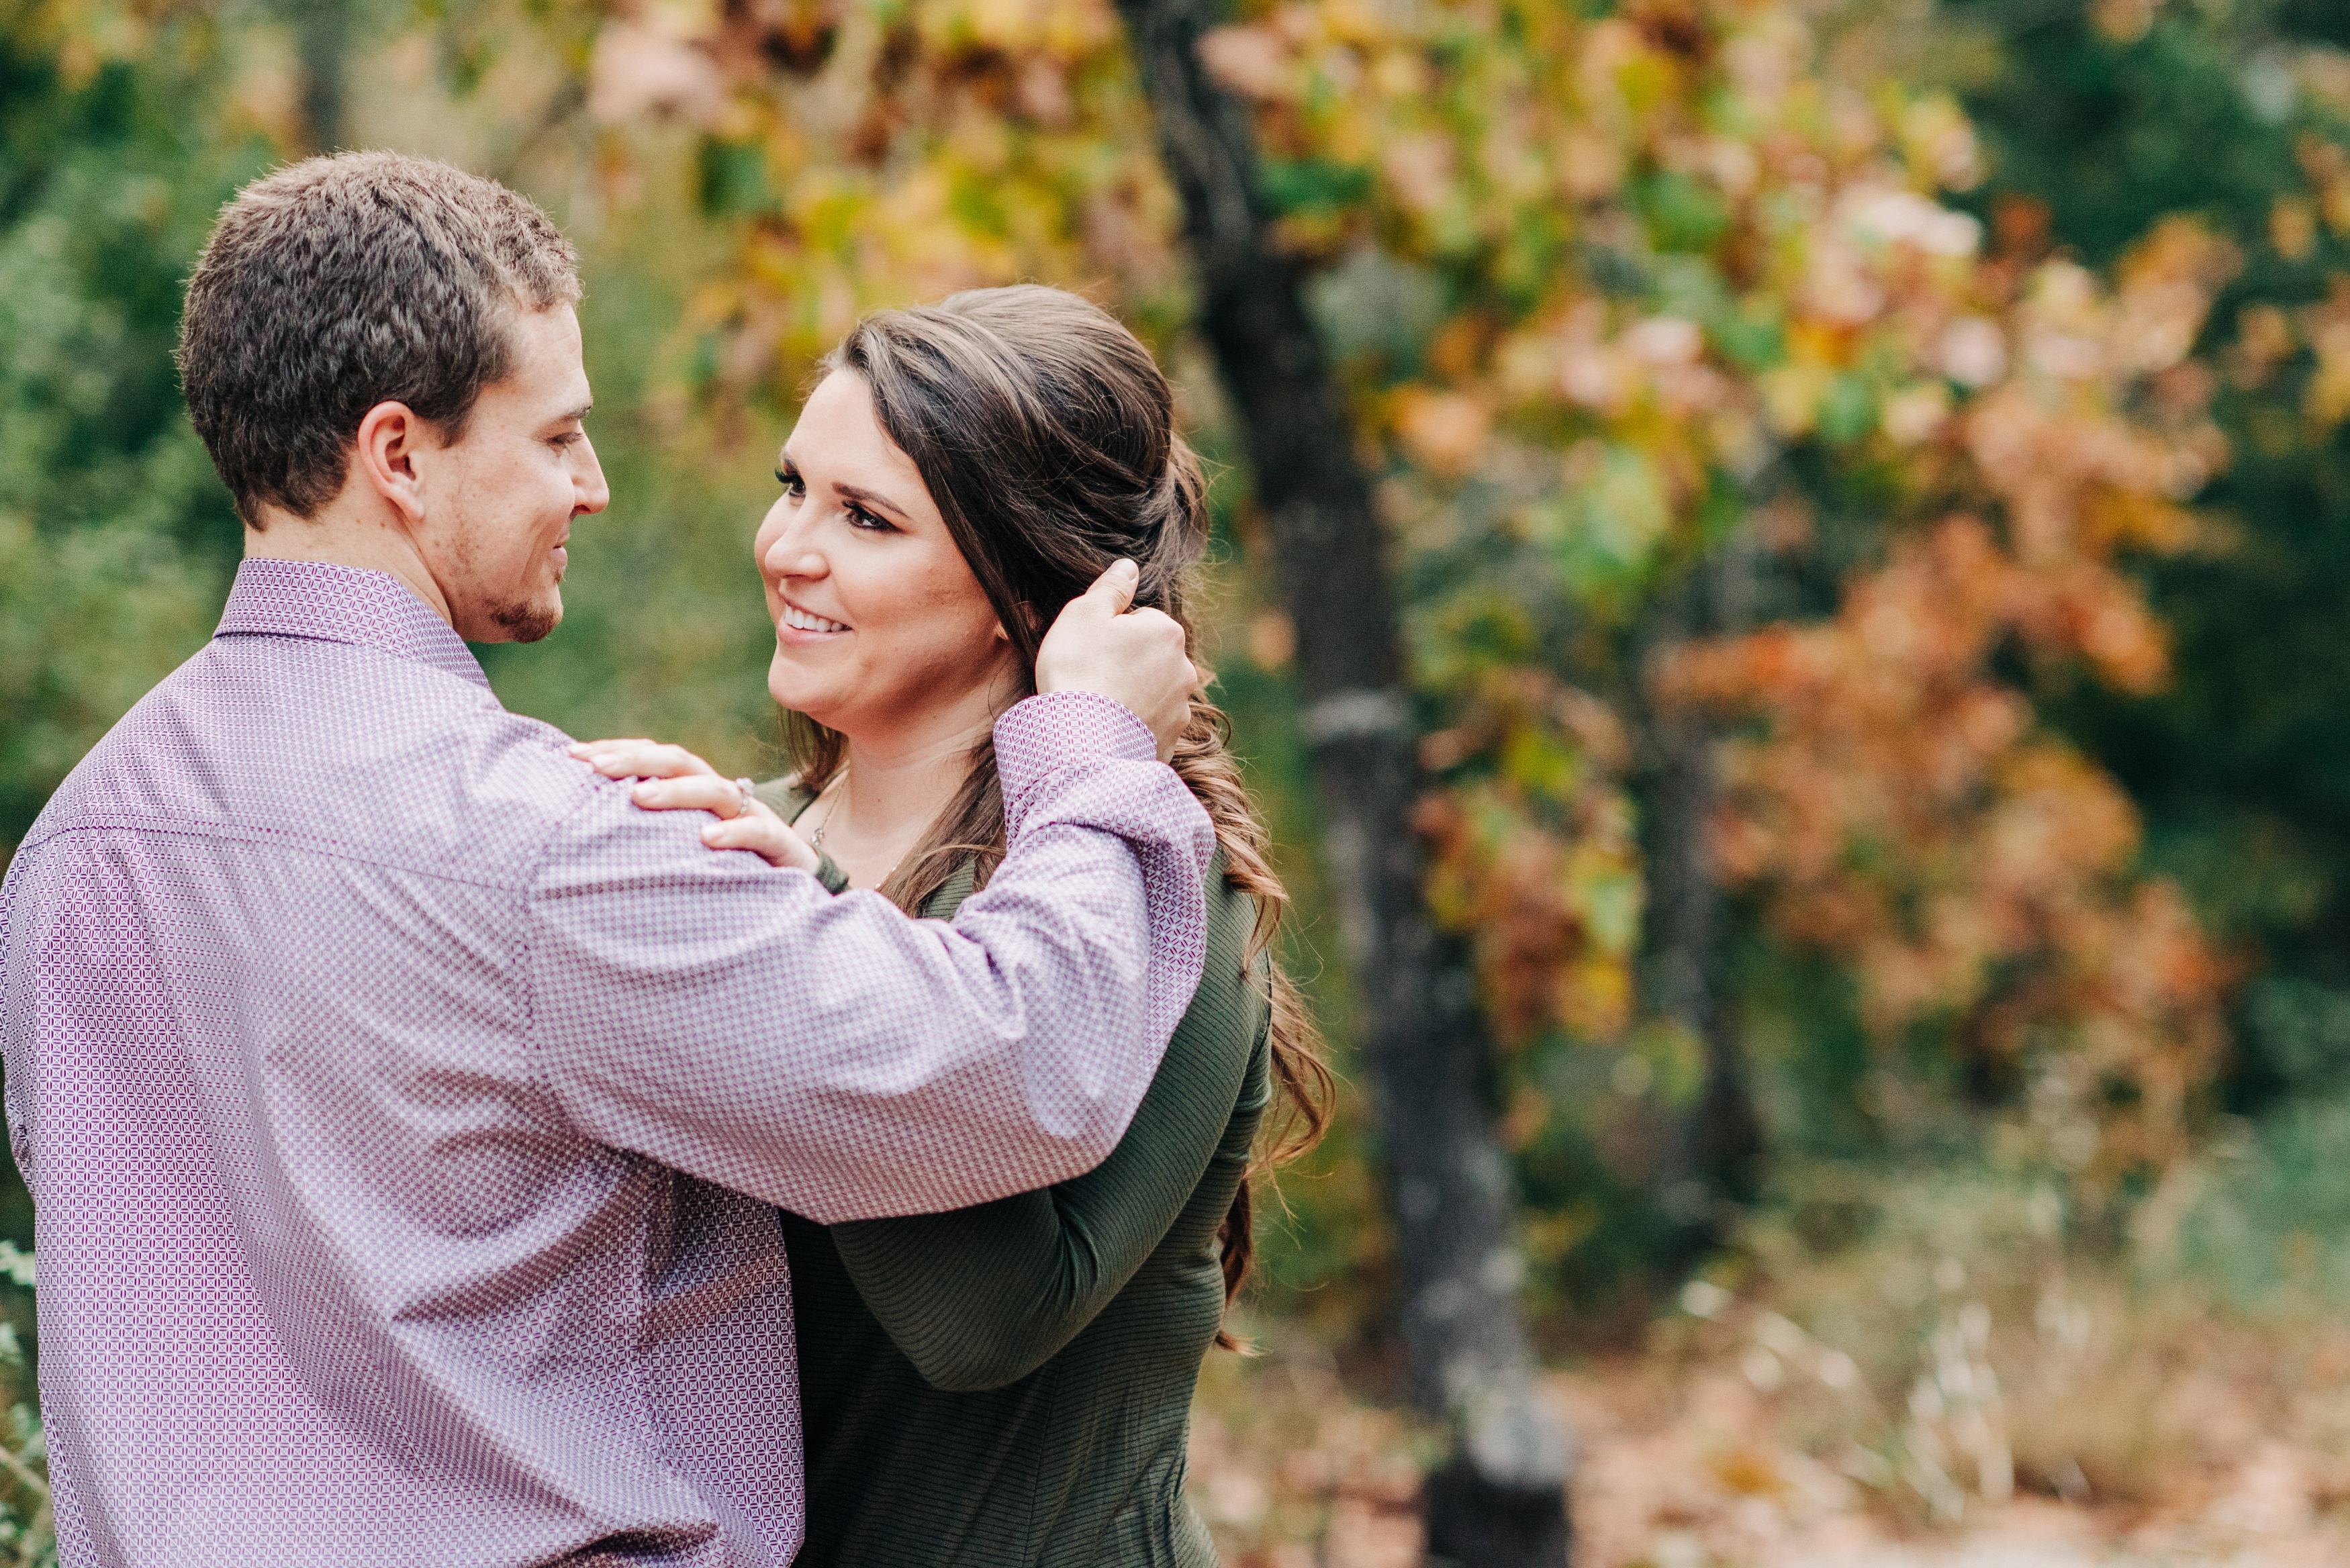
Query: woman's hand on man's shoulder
671,778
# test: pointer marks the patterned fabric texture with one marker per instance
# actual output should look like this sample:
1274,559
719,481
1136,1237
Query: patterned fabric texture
402,1107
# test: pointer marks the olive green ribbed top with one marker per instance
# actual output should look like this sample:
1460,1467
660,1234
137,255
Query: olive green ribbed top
1011,1385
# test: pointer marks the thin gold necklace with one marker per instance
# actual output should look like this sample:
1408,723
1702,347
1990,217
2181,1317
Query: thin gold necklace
816,840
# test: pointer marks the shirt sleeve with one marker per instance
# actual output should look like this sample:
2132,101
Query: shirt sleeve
17,983
832,1055
983,1296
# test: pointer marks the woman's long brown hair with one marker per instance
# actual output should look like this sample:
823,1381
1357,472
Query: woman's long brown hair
1046,433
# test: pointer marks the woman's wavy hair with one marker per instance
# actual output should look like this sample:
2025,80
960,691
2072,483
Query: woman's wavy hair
1045,434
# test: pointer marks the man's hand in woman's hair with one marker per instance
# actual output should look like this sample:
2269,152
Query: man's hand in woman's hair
1133,657
671,778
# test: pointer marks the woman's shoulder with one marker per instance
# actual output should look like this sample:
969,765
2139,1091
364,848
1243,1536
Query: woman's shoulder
1234,998
959,885
1231,910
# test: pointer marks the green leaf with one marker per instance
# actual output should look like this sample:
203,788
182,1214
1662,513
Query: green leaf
1849,409
1682,215
731,178
1317,185
972,200
1610,904
1752,338
1622,515
1538,763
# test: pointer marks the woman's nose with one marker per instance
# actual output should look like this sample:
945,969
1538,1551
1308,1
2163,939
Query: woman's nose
790,556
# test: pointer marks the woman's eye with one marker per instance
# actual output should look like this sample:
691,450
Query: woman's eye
860,518
794,486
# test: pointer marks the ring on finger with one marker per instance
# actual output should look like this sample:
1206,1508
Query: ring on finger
743,788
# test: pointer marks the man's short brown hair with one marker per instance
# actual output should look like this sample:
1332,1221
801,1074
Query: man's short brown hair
345,281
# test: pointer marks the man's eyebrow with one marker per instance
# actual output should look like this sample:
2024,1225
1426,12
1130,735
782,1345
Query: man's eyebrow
568,416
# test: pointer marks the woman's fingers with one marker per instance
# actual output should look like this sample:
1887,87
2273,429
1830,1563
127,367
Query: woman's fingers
1138,658
671,778
762,832
696,791
640,759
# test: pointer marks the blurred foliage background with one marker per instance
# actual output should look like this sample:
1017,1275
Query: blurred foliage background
1869,487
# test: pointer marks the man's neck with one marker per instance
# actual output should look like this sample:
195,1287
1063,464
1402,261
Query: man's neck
339,536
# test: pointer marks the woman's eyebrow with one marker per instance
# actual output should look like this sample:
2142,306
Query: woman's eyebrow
874,499
856,493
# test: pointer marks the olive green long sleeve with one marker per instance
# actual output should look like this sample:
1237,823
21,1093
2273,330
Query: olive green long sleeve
983,1296
1011,1383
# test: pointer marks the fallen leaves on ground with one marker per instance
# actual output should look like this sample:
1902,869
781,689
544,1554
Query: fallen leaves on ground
1686,1463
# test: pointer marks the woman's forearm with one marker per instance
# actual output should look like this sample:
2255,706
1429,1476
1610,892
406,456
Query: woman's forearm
983,1296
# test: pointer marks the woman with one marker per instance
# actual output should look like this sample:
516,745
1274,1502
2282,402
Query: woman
1009,1383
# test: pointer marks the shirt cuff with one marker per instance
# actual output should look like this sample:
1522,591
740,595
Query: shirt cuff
1057,728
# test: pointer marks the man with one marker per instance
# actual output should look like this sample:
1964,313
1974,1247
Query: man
401,1106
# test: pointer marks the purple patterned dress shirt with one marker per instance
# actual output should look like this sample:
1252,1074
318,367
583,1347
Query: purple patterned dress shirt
402,1107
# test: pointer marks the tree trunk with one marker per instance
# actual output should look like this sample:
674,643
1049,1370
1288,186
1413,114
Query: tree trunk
322,43
1501,1500
1714,1150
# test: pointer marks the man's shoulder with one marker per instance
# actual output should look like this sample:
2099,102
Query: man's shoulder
332,747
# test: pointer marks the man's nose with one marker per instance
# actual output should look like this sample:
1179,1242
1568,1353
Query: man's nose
594,494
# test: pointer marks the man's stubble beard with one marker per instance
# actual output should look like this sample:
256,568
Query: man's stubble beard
524,621
521,617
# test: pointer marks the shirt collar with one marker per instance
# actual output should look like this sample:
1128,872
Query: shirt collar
274,597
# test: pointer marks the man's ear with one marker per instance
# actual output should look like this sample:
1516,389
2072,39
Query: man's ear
390,436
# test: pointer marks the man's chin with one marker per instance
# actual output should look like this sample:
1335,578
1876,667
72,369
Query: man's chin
528,622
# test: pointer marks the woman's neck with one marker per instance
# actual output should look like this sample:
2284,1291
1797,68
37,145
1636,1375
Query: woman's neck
898,783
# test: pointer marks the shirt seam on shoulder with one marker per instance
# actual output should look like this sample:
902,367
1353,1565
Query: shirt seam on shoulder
264,838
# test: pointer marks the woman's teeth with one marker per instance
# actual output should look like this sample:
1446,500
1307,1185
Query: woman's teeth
799,619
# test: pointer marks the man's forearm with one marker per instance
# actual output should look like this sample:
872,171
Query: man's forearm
833,1057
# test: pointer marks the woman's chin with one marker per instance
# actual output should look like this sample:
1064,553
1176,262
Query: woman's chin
790,690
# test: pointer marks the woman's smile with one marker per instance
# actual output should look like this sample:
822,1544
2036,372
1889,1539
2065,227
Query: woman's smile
879,624
810,627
